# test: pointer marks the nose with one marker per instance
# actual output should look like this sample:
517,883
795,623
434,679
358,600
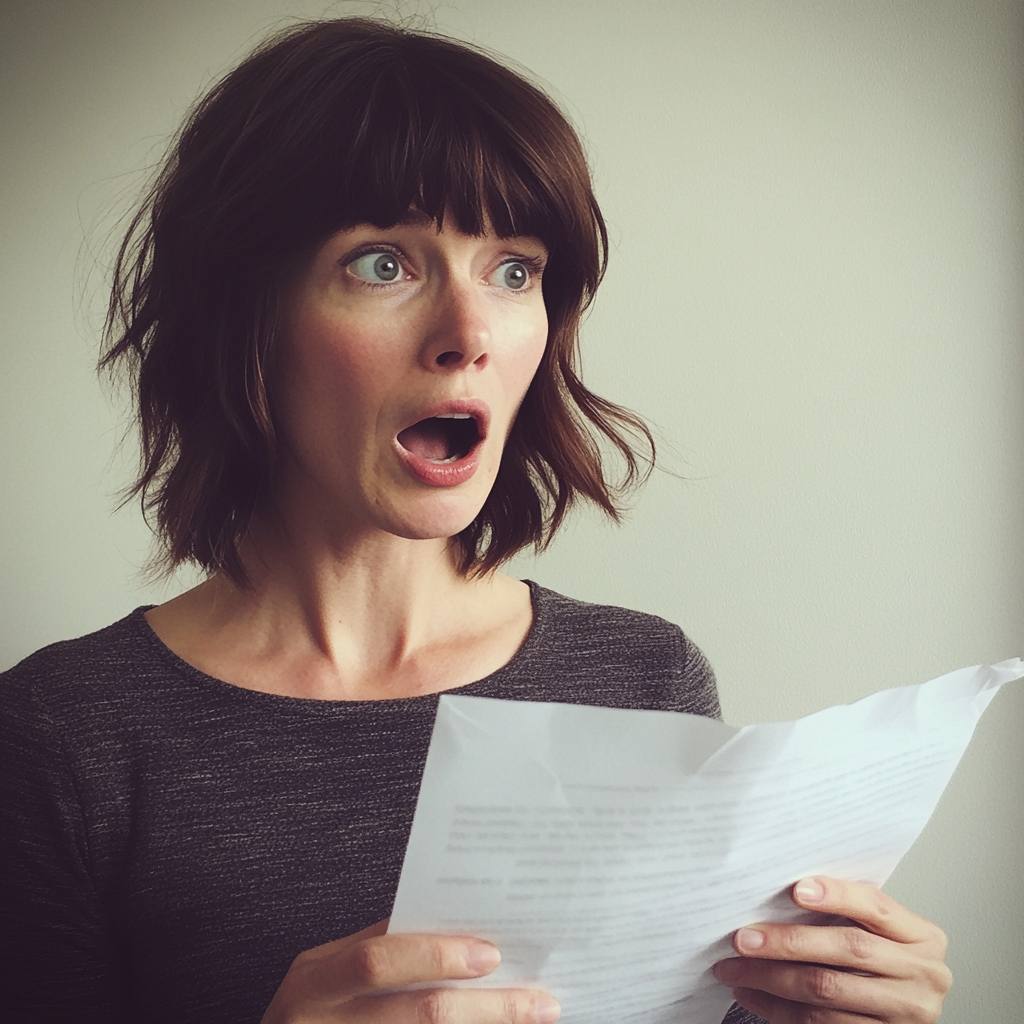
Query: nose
459,334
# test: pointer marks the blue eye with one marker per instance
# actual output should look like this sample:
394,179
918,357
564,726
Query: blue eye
513,275
377,267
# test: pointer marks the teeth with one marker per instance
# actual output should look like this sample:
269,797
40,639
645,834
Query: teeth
454,416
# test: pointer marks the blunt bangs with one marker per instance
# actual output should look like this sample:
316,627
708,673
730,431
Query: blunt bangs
369,130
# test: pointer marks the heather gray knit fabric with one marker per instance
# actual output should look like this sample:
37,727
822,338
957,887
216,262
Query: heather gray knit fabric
170,842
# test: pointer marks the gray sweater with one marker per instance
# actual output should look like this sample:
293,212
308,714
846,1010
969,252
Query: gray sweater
169,842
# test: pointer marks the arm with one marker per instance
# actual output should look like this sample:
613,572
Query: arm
57,952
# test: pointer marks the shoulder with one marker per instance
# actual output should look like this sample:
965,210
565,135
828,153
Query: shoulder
78,720
80,692
70,668
609,631
56,709
618,656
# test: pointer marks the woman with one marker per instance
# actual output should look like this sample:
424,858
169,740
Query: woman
349,309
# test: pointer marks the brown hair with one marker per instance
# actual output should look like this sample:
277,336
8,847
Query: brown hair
325,126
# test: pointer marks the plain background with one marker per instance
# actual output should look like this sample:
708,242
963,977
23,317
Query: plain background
815,294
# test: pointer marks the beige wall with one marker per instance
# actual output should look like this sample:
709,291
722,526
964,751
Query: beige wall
815,293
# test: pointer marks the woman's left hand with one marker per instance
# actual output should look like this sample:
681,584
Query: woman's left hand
889,969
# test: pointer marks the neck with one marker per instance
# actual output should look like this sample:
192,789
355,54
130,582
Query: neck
363,615
371,592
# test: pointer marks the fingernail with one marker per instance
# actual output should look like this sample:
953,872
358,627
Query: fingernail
482,957
547,1009
727,971
749,939
809,890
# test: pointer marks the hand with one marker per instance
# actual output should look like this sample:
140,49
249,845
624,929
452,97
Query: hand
889,969
336,984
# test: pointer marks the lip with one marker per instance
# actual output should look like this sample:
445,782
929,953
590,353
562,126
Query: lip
449,474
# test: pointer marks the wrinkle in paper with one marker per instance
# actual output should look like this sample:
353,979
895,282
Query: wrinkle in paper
611,853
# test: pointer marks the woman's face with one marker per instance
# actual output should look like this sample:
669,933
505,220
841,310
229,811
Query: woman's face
407,353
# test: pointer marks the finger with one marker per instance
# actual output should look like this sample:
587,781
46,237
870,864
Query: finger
816,985
393,961
784,1011
849,947
868,906
456,1006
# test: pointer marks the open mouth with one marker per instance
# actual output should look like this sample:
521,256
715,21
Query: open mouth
442,439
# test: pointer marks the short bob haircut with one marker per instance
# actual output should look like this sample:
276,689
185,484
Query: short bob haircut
325,126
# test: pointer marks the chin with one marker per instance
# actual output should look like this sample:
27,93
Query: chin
436,518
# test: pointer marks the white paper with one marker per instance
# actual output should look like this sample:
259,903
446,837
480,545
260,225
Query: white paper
610,854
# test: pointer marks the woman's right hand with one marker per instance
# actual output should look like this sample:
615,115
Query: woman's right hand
338,982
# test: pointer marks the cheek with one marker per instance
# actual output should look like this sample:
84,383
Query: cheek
334,365
528,351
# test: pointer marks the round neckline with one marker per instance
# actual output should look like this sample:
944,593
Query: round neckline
146,632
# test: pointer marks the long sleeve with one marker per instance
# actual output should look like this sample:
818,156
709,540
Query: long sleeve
56,962
737,1015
